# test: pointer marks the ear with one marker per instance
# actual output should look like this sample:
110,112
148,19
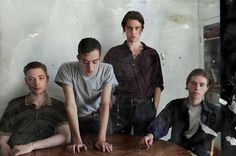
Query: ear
207,88
25,81
47,78
142,29
186,87
77,57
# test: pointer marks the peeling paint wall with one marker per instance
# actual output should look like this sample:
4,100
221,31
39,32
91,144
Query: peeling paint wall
49,31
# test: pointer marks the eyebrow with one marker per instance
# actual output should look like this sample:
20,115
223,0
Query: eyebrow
34,77
133,27
91,61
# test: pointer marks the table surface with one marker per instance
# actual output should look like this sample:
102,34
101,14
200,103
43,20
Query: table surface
123,145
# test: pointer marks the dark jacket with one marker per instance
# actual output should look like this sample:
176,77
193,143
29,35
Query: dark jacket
175,116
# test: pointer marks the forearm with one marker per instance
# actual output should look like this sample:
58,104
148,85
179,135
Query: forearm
157,96
52,141
71,110
4,141
103,122
74,123
4,147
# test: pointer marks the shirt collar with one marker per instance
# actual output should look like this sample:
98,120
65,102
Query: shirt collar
204,104
28,100
144,45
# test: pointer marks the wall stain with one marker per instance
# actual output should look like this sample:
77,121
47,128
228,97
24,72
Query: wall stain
180,19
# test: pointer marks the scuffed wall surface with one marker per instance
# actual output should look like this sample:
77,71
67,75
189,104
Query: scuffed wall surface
49,31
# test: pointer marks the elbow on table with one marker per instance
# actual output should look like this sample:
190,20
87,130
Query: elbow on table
67,138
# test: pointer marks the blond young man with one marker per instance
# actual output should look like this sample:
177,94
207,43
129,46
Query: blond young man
194,121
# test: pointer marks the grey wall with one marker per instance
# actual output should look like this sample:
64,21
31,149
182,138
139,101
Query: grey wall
49,31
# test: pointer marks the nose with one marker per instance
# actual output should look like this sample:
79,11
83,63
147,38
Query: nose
133,31
36,82
90,68
197,86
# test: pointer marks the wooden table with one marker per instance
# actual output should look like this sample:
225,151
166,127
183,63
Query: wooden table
122,146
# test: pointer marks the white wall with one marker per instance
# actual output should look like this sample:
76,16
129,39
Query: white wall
49,31
209,13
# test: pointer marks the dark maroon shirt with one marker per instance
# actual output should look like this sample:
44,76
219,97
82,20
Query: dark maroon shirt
137,77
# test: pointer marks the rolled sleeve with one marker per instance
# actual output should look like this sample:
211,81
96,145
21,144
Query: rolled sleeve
110,78
63,75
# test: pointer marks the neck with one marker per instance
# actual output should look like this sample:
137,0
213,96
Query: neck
134,45
195,102
38,99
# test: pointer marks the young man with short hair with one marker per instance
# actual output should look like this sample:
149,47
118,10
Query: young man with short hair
33,121
87,86
138,71
194,121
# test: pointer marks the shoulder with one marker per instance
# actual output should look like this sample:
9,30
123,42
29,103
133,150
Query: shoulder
112,52
14,105
177,101
150,51
215,108
69,64
106,65
115,48
57,103
69,67
16,101
106,68
177,104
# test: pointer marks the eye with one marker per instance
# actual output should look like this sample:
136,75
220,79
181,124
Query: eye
138,28
202,85
41,78
30,79
193,83
95,62
85,62
129,28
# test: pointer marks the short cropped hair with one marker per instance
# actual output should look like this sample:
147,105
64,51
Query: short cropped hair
88,45
132,15
33,65
198,72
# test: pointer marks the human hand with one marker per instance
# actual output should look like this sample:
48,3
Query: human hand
146,141
21,149
76,147
5,149
103,146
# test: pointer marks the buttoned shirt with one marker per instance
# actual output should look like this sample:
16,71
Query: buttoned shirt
24,122
137,77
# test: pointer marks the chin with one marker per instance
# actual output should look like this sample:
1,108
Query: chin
39,92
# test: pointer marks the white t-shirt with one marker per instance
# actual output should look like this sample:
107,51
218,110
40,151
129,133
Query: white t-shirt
87,89
194,113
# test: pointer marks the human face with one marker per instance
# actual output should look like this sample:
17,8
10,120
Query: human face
133,30
197,87
89,62
36,80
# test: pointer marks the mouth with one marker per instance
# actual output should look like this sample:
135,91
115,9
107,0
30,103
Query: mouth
196,93
36,89
88,73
